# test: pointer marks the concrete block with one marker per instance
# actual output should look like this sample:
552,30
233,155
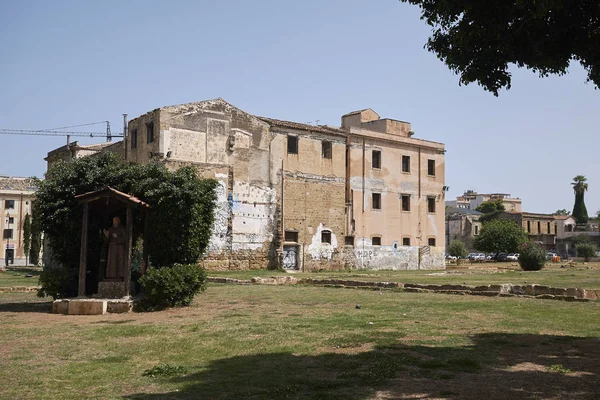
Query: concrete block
119,307
60,307
87,307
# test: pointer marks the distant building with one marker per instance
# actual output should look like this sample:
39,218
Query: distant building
541,228
568,232
15,202
462,224
471,199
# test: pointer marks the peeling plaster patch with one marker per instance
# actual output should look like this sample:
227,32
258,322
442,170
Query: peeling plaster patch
399,258
253,209
322,178
407,186
218,238
319,250
222,176
432,224
356,182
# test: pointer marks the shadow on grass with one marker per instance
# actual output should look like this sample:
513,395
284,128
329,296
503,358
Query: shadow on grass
42,306
494,366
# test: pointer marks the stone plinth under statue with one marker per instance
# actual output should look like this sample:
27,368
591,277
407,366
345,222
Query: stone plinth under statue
105,255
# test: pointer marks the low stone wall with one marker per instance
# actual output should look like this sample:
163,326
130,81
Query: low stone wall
502,290
19,289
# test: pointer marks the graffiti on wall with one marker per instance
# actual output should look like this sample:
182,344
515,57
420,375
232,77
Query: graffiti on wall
320,249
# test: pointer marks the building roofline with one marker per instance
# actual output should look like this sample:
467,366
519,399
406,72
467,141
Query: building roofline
303,127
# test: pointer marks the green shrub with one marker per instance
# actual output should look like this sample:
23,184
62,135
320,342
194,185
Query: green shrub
586,250
532,257
173,286
458,249
58,283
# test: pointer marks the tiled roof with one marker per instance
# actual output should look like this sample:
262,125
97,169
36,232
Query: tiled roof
14,183
562,216
110,192
304,127
462,211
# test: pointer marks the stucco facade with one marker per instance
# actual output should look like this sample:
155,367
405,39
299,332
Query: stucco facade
15,203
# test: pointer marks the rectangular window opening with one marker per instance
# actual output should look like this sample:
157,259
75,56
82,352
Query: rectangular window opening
528,226
292,144
431,167
476,230
349,241
376,201
376,159
150,132
326,237
326,151
405,163
549,229
405,241
291,236
406,202
9,204
376,241
11,220
431,204
133,137
8,234
431,242
539,228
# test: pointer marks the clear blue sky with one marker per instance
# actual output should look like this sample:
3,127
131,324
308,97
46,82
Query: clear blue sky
73,62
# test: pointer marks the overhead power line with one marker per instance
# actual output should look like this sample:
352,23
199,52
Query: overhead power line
74,126
55,133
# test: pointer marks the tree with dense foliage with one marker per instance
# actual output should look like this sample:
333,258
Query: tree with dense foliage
561,212
458,249
490,206
180,219
532,257
579,210
500,236
36,237
586,251
479,39
27,237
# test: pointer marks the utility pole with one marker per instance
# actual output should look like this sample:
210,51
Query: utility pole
7,238
108,134
125,141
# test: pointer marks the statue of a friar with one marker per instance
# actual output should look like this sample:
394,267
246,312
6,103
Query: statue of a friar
117,242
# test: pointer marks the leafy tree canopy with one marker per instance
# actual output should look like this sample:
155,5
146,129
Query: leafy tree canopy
500,236
479,39
490,206
180,220
561,212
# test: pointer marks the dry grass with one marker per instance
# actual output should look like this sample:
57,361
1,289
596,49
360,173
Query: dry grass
271,342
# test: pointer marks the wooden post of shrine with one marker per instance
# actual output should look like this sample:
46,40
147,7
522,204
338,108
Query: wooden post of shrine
83,251
129,227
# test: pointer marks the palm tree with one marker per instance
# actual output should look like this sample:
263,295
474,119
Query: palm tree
579,187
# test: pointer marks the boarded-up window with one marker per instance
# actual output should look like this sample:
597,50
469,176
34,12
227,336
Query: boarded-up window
326,237
376,201
326,151
291,236
376,159
150,132
292,144
405,163
133,138
376,241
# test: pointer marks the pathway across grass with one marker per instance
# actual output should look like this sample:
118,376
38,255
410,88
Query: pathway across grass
302,342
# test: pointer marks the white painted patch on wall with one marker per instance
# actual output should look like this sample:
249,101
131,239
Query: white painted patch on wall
218,238
319,250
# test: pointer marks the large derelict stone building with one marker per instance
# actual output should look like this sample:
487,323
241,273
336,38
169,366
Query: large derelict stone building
304,196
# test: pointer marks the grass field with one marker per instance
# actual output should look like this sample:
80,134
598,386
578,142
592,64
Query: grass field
581,276
19,277
298,342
